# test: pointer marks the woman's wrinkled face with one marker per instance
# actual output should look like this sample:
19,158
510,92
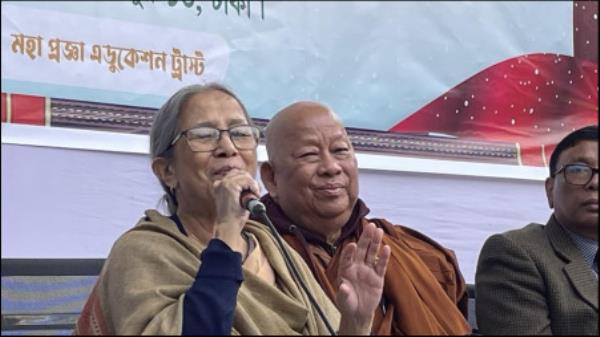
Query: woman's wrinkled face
196,172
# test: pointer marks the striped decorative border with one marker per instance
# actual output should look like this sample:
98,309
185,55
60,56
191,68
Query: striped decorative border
137,120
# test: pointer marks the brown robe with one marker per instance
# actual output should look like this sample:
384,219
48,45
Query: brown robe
424,291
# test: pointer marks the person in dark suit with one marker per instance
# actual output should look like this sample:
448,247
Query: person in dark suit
543,279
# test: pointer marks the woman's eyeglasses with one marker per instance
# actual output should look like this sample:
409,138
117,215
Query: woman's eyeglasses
206,138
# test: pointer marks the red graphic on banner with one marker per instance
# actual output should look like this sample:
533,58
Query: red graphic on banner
4,108
26,109
533,100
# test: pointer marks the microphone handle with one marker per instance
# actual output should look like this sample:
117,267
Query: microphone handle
249,201
260,211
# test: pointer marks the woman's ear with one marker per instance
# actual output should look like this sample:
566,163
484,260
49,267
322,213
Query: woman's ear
163,170
267,175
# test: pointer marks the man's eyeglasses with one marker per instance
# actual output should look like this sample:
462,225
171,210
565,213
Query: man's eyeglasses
206,138
577,174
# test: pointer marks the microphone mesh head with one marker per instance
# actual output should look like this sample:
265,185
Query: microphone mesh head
255,206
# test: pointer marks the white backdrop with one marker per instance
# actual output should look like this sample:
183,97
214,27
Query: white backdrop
68,203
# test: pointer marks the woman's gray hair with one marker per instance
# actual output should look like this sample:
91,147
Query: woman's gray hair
166,126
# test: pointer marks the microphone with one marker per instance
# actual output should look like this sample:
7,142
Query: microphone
249,201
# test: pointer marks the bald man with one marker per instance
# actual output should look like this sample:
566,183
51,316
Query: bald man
312,182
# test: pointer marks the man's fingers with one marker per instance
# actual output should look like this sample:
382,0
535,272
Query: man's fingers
363,242
342,295
384,257
347,255
373,250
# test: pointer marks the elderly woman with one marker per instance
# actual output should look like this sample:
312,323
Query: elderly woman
207,269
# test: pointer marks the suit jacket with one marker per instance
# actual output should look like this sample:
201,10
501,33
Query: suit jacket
535,281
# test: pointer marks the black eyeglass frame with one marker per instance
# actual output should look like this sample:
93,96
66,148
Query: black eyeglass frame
563,170
183,133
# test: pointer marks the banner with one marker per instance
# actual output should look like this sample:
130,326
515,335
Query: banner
520,74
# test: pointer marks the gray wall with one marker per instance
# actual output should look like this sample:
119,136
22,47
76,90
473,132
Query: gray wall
61,203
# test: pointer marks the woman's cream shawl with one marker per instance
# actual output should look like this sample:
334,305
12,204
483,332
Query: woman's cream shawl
143,283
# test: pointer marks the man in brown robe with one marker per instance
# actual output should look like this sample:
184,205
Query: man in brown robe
312,182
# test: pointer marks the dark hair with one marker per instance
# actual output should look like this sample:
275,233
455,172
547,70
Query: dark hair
589,132
165,124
